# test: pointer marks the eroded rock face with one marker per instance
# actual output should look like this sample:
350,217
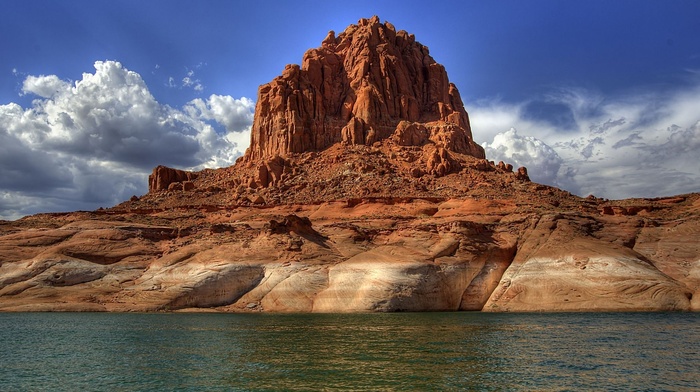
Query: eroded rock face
356,88
368,255
369,87
164,178
560,269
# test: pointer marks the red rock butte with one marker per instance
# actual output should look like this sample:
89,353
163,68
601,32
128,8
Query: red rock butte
367,84
369,100
362,190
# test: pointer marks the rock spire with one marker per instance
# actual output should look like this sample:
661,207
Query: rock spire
367,84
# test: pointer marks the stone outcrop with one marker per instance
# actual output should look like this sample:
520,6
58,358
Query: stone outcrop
555,270
521,174
164,178
369,86
360,87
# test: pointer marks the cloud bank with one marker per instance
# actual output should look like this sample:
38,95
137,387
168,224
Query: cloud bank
93,142
643,144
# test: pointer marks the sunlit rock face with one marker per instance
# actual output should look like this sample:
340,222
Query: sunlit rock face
559,268
164,178
357,88
372,255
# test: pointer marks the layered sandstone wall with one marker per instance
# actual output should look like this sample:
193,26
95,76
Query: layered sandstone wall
373,255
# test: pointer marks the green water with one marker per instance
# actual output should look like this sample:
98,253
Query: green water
361,352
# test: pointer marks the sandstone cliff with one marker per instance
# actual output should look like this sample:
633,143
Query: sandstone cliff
362,191
359,255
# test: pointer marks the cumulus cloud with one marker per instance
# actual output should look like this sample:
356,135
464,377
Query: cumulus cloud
638,145
235,114
93,142
541,160
44,86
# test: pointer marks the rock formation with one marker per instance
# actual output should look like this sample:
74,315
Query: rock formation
163,178
357,88
362,190
470,253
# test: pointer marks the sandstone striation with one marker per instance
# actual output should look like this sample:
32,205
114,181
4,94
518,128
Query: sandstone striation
362,190
358,255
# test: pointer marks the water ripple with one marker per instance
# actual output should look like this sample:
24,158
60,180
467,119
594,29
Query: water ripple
353,352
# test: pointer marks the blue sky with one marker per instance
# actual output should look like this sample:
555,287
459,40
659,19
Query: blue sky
595,97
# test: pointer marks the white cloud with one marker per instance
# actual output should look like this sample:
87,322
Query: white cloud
190,80
235,114
644,144
93,142
541,160
44,86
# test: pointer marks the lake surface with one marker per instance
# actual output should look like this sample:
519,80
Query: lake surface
361,352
